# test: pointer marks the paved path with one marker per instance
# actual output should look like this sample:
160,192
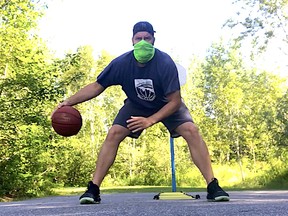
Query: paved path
140,204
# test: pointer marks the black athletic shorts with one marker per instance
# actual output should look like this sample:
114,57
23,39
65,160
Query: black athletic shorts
171,123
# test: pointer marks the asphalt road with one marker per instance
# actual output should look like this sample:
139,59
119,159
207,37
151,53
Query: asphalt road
138,204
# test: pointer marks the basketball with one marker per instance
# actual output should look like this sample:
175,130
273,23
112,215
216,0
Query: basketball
66,121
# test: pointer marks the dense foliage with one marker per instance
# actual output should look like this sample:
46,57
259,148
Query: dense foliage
241,112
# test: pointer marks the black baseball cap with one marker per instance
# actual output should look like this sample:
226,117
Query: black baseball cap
143,26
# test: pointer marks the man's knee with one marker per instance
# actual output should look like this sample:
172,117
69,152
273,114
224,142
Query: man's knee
117,132
188,129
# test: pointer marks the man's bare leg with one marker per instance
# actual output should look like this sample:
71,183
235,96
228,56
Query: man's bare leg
108,152
200,156
105,159
198,149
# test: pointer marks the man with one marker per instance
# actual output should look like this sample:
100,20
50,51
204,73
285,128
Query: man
149,78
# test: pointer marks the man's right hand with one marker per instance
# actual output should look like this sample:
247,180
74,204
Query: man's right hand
88,92
64,103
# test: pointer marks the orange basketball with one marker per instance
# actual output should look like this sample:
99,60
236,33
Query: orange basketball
67,121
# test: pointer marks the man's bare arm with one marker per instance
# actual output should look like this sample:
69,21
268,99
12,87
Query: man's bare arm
90,91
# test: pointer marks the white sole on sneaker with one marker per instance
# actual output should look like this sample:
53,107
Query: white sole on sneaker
88,200
221,198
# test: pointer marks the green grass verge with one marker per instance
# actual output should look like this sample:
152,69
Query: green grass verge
65,191
77,191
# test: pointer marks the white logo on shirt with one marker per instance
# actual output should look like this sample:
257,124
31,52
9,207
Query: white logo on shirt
145,89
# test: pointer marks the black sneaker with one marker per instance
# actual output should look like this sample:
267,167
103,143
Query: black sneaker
215,192
92,195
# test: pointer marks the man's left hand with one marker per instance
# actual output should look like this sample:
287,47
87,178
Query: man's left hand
135,124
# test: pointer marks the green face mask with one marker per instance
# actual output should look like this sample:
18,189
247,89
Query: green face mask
143,51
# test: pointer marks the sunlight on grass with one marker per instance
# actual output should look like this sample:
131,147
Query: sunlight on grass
67,190
229,176
64,191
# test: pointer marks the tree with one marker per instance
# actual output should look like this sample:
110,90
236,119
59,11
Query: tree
27,91
281,130
240,107
262,20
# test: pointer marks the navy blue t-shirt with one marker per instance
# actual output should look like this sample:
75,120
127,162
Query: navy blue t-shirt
144,86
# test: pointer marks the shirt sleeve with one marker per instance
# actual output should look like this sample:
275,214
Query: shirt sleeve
170,78
109,76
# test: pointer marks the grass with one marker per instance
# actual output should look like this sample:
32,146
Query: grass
77,191
69,191
260,178
66,191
